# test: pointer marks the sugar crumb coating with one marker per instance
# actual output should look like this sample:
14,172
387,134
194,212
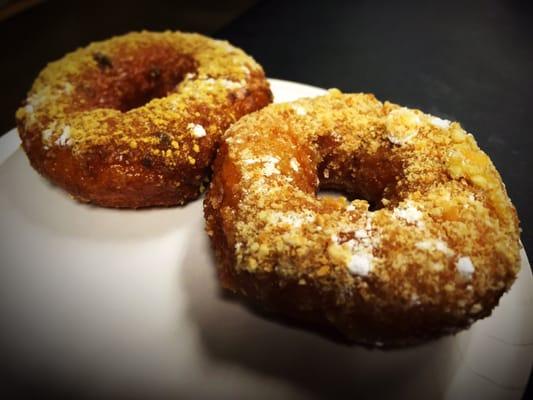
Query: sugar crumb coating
428,246
135,120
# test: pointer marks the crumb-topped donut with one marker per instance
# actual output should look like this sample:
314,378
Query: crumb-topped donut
428,246
134,121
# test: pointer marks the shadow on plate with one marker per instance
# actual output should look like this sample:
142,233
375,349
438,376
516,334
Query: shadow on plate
314,362
32,199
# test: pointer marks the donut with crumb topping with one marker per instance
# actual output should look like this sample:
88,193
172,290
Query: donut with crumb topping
134,121
428,245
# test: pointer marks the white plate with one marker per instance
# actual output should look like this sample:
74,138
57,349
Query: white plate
119,302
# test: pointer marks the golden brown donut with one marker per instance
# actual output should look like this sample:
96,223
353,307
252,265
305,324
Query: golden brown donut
430,243
134,121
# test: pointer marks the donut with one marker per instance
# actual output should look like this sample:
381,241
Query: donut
422,242
134,121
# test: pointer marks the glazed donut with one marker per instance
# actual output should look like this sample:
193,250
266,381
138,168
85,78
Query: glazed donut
428,245
134,121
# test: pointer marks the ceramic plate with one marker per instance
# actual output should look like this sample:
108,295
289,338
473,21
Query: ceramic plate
126,303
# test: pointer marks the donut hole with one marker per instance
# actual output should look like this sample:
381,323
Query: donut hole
156,80
129,79
328,191
336,193
371,178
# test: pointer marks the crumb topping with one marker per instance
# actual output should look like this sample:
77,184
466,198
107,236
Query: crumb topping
80,91
441,205
143,111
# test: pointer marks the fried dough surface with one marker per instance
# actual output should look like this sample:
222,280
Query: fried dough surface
428,246
135,120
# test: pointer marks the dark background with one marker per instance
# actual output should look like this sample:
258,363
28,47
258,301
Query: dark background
470,61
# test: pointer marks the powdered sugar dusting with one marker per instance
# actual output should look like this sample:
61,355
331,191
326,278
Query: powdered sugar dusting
196,130
269,164
410,214
294,219
269,167
435,245
232,84
64,138
295,165
360,264
299,109
356,253
440,123
465,267
401,140
361,234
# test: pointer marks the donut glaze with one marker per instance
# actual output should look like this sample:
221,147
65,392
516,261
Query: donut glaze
134,121
428,245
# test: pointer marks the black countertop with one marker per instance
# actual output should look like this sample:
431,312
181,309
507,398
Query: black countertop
470,61
466,61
